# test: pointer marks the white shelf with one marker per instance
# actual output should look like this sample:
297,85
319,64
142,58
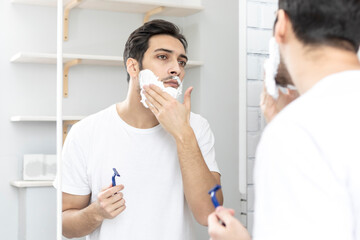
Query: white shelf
49,58
134,6
43,118
25,184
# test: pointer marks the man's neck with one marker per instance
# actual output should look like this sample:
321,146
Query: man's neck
133,112
309,67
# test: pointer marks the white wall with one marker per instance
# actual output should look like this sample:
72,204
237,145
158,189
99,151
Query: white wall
261,16
25,89
30,89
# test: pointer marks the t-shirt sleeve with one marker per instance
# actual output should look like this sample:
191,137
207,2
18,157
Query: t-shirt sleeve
206,143
74,168
297,195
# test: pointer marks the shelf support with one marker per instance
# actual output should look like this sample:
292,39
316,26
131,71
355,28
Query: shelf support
68,7
153,12
66,125
66,75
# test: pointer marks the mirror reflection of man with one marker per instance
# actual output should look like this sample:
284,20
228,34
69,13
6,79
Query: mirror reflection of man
165,155
270,107
307,181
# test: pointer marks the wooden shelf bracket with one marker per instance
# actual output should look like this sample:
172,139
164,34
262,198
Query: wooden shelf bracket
153,12
66,125
68,7
66,75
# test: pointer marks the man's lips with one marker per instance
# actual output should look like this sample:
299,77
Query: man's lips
171,83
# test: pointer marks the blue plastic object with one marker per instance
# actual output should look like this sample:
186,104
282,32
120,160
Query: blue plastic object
113,177
212,193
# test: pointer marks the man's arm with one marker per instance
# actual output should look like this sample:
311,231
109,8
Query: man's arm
79,218
197,178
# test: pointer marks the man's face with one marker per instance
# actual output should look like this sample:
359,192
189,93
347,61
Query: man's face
166,58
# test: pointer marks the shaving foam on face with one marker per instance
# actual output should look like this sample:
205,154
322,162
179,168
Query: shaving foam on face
271,67
147,77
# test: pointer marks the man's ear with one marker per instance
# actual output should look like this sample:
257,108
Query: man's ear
132,67
281,26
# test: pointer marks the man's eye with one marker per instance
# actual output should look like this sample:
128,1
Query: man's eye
182,63
163,57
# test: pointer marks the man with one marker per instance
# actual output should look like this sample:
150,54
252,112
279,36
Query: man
164,155
307,182
270,107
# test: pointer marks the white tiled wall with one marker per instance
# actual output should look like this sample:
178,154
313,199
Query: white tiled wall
261,16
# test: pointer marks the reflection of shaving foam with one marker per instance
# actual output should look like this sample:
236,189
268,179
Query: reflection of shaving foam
271,67
147,77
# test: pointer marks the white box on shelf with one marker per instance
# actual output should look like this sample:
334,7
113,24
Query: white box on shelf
39,167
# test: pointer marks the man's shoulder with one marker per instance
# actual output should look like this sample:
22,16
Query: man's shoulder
96,119
197,121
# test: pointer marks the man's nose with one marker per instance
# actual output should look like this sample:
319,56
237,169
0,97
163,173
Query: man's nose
174,69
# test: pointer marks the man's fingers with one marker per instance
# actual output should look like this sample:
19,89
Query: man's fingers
156,93
119,203
232,212
119,210
152,108
107,187
154,102
215,227
212,219
214,224
111,191
187,98
160,92
224,215
264,96
293,93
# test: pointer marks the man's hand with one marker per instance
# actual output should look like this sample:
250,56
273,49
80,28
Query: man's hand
80,219
110,202
271,107
233,229
172,115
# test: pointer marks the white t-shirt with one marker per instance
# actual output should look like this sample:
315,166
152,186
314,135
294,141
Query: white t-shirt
307,170
149,167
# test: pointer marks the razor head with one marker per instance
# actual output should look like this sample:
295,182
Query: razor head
113,182
116,172
214,189
212,193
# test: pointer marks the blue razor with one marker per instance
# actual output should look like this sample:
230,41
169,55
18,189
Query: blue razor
113,177
212,193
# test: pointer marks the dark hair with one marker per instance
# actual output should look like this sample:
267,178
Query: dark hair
329,22
138,41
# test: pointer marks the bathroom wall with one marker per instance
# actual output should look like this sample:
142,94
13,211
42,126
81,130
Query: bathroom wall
260,20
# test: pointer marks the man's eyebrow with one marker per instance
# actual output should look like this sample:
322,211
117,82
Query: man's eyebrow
170,51
184,56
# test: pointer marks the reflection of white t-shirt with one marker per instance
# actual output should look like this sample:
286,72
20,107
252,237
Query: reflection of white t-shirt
307,170
149,167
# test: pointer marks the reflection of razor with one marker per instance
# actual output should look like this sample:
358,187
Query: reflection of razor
212,193
113,177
